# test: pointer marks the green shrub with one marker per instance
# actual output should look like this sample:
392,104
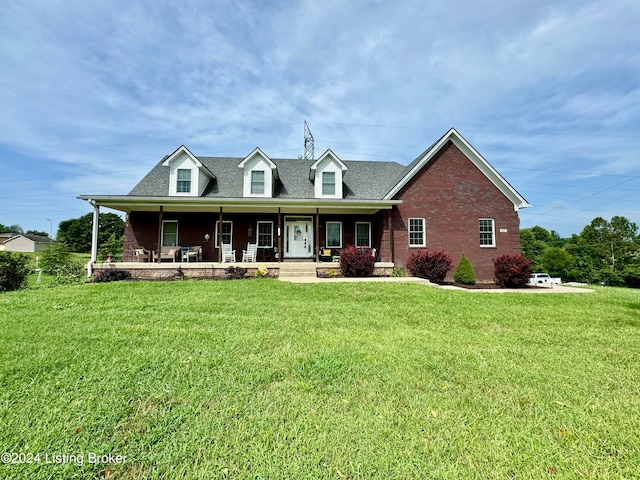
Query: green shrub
398,272
54,258
430,265
14,271
113,246
464,272
357,262
68,274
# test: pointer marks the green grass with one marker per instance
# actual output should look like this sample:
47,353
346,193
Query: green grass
263,379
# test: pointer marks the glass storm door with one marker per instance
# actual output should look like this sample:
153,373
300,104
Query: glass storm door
298,238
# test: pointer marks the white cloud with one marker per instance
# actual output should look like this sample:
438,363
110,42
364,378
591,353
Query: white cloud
93,88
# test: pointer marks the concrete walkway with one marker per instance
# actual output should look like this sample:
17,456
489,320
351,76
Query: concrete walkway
422,281
358,279
554,289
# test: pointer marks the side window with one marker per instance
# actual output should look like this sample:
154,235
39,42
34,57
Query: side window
417,235
487,232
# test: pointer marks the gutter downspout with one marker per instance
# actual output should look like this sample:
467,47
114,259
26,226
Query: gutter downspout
94,238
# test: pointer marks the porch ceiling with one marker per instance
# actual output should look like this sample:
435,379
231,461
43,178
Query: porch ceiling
126,203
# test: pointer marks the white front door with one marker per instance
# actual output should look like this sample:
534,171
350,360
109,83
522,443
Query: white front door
298,237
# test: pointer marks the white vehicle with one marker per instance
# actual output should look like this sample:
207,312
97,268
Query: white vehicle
543,279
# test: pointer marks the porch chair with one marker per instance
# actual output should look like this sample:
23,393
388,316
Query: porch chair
250,254
228,255
141,254
169,253
325,255
192,254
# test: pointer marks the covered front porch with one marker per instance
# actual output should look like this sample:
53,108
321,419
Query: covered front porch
159,231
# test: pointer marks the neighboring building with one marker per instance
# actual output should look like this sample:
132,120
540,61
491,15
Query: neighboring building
4,237
448,198
18,242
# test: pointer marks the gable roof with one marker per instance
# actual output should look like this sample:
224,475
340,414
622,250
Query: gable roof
478,160
182,149
325,155
32,238
258,151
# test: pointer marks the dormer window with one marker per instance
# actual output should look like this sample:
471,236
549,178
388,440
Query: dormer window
257,182
184,180
329,183
260,175
327,173
188,176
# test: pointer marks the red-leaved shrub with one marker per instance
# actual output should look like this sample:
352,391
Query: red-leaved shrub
512,270
430,265
357,262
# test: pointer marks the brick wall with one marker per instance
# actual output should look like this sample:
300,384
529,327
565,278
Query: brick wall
452,194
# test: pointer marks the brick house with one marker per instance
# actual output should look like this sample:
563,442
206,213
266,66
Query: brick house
448,198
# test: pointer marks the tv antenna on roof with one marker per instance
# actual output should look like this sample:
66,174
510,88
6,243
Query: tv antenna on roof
308,142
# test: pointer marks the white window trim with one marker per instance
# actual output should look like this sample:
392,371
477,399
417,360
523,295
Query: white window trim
329,184
216,236
368,245
264,182
258,234
193,182
162,233
493,233
187,192
424,233
326,235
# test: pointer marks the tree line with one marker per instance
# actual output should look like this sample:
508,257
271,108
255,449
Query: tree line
606,252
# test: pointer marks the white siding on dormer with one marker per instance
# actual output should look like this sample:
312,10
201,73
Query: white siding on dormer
328,164
203,181
183,162
258,163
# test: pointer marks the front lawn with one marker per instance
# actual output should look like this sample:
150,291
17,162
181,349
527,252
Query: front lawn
266,379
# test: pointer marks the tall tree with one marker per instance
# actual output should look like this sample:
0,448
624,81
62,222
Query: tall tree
10,228
37,232
76,232
534,242
605,248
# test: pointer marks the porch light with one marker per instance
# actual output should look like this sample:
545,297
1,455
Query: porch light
206,237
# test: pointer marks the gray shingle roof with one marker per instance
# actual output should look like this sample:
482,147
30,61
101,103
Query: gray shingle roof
364,180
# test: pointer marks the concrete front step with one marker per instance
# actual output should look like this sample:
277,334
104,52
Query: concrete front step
298,270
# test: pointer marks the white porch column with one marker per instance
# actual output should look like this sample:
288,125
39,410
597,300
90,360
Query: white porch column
94,238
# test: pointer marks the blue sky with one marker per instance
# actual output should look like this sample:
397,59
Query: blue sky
93,94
